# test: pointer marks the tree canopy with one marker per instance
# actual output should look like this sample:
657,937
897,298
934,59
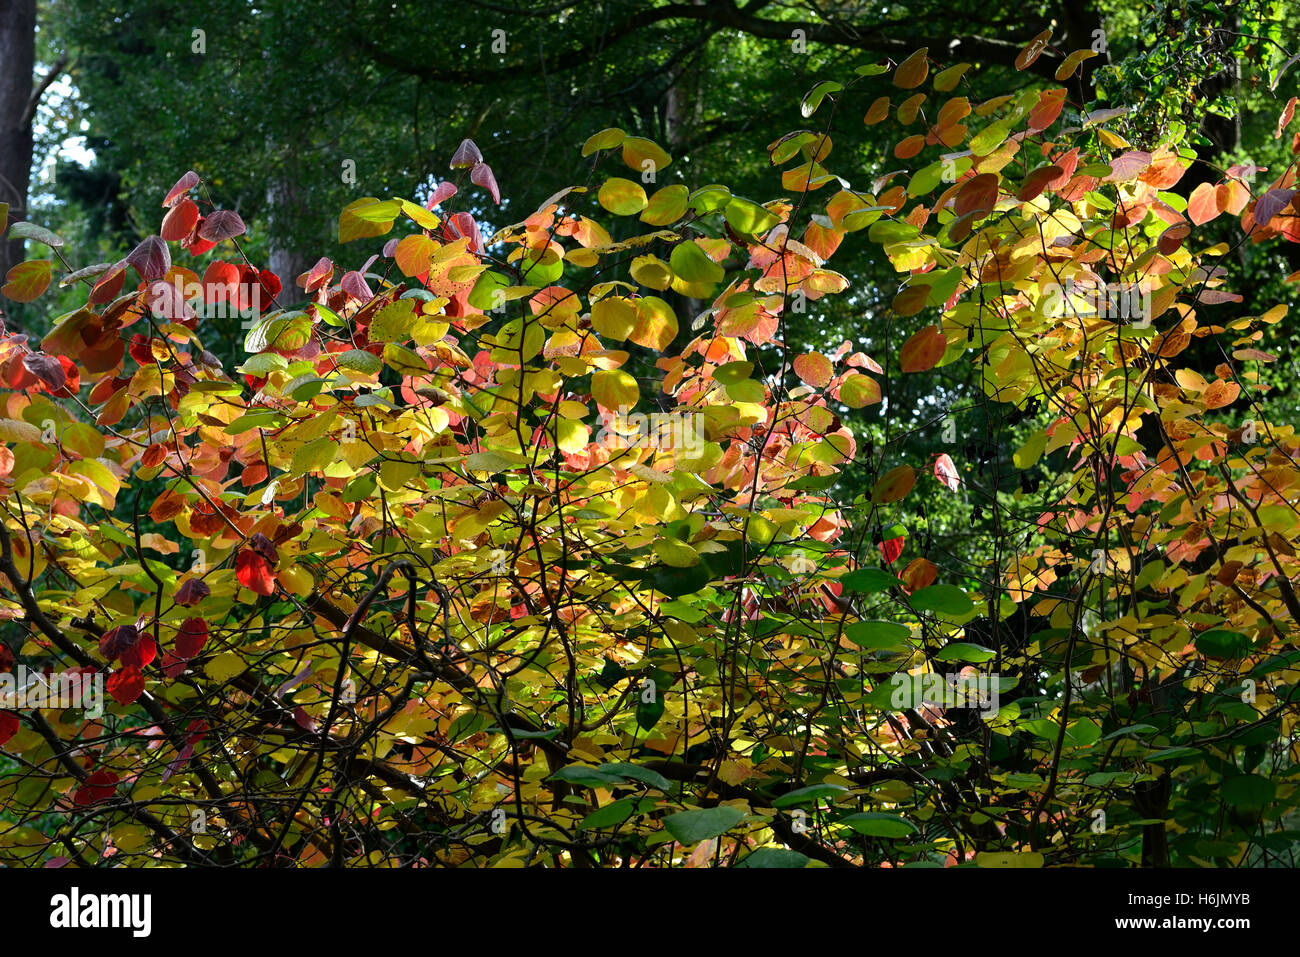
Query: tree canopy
898,482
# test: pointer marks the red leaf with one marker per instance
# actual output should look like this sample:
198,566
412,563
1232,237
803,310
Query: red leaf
114,642
1037,181
264,547
979,193
71,379
192,592
220,281
221,225
946,472
462,224
1050,104
141,653
466,155
126,684
318,275
172,664
99,786
183,186
254,572
46,368
193,243
1172,238
481,175
109,284
179,221
1270,204
441,193
355,286
8,725
151,258
891,549
191,637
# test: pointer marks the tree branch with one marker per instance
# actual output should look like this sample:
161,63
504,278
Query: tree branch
29,112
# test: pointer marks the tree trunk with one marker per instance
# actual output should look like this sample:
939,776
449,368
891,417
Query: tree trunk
283,212
18,54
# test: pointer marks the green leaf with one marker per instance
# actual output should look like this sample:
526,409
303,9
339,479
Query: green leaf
314,456
360,488
35,233
774,857
692,264
878,635
393,322
813,98
648,713
869,580
880,824
634,772
965,651
1248,790
691,827
606,139
484,294
812,793
611,814
748,218
1221,643
359,361
942,600
263,364
731,372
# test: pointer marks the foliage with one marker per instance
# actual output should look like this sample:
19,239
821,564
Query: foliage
439,580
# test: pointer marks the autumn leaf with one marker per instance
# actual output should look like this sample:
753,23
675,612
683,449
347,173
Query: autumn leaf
923,349
946,472
254,572
26,281
126,684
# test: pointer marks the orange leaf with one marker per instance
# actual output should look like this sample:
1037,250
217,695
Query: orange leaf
894,485
911,300
912,72
909,147
1033,49
1232,196
979,194
153,455
28,280
1203,205
877,111
923,350
814,369
919,573
1219,393
1284,120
